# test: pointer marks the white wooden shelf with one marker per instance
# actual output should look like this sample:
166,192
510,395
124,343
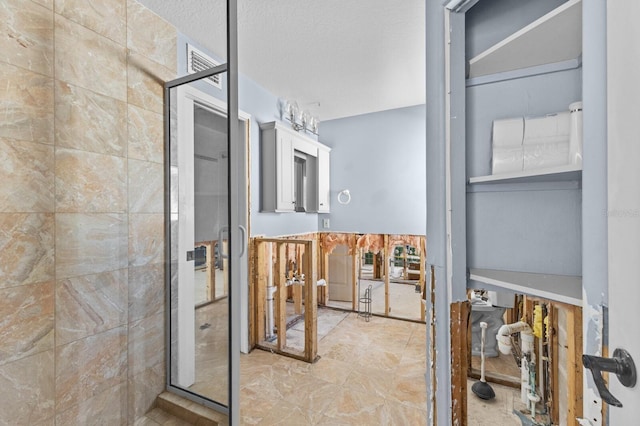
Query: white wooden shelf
555,37
555,174
561,288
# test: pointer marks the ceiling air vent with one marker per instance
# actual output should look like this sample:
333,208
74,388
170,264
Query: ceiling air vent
199,61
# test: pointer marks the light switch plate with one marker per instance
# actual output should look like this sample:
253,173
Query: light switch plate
325,223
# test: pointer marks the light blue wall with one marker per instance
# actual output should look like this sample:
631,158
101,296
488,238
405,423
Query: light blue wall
380,158
263,107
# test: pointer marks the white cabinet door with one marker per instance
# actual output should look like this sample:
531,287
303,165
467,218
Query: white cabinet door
279,147
284,172
323,181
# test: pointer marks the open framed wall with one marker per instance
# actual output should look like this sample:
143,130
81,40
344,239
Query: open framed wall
281,284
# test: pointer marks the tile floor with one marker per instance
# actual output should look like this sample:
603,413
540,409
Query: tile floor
496,412
369,373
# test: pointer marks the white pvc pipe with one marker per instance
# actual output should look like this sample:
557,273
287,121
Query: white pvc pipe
483,326
270,321
271,289
524,381
504,337
270,270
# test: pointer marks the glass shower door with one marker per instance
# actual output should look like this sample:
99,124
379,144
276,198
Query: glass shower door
199,319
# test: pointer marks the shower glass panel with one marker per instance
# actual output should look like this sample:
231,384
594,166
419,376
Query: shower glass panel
199,235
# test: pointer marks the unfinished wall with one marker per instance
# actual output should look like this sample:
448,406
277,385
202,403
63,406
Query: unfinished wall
81,210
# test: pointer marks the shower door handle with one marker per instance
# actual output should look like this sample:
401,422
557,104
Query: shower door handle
242,239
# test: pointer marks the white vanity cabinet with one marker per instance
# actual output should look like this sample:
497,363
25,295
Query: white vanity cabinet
324,158
295,171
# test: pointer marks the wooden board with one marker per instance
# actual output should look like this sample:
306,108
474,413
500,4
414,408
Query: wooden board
460,315
261,291
281,295
311,303
387,273
574,364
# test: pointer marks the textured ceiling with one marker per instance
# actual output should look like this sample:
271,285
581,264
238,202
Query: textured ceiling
336,58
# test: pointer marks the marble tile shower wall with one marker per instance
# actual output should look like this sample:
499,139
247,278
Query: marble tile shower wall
81,210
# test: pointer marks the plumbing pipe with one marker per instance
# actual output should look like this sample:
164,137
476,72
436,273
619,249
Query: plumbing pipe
524,380
532,397
504,337
270,270
271,289
270,320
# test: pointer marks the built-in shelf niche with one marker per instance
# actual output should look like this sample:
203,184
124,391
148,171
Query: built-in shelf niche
569,172
554,38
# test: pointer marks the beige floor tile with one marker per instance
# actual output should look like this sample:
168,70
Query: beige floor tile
364,379
331,370
358,408
399,414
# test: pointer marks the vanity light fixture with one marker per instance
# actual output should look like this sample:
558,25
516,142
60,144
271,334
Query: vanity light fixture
300,120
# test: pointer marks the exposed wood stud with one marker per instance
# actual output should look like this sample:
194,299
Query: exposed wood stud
387,273
281,294
423,276
311,302
261,291
251,258
574,364
460,315
553,349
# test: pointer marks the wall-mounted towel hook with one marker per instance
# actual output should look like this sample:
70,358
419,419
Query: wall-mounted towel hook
621,364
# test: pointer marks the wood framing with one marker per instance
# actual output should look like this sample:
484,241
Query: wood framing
253,271
294,257
354,271
548,364
574,364
261,290
423,276
553,350
281,296
311,302
432,341
295,266
460,323
387,274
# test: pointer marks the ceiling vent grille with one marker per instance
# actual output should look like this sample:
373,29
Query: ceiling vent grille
199,61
